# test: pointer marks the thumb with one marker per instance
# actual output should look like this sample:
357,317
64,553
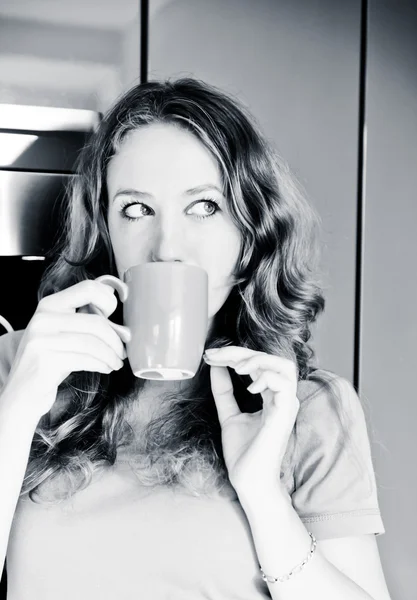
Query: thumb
222,388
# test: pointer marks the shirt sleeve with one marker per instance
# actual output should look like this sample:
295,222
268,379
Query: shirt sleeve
9,343
334,491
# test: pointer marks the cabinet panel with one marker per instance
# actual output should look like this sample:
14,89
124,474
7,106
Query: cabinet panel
296,65
389,324
68,54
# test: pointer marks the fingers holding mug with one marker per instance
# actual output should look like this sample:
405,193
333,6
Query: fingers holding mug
117,285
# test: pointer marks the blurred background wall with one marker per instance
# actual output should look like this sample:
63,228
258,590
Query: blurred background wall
333,85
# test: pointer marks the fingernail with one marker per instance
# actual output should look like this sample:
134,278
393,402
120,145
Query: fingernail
211,351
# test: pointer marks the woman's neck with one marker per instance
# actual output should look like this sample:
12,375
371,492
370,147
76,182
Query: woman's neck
151,398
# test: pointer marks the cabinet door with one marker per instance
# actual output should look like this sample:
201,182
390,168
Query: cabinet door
296,65
389,323
68,54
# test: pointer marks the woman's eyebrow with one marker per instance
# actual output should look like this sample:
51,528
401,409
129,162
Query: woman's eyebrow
195,190
202,188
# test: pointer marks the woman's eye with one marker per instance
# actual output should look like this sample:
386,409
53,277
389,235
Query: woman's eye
132,211
206,205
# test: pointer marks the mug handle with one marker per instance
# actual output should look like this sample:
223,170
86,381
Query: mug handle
122,290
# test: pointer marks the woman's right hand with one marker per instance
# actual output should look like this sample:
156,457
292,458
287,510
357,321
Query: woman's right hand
58,340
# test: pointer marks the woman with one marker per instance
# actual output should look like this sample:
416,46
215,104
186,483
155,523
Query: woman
206,488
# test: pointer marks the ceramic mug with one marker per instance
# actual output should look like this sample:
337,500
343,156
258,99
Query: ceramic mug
165,306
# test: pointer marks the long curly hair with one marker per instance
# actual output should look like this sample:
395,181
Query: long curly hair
274,300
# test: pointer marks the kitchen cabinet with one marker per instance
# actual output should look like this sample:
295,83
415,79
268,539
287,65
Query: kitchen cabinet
68,54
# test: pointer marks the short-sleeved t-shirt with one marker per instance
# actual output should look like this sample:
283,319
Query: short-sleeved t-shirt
118,539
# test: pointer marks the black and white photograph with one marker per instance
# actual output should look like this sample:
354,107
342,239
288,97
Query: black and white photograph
208,314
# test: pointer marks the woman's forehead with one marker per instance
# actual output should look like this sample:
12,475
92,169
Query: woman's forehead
162,151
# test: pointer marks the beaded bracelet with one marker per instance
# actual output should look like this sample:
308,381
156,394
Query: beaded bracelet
296,569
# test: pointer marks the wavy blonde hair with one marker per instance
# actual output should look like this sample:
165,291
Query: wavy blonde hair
273,303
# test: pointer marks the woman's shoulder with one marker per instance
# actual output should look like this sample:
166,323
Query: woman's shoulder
333,484
317,383
326,392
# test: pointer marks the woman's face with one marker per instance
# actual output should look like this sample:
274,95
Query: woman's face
163,186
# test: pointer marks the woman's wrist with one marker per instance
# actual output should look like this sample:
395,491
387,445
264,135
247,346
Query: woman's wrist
16,414
256,497
281,539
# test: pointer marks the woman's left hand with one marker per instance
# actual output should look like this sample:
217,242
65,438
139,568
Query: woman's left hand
254,444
